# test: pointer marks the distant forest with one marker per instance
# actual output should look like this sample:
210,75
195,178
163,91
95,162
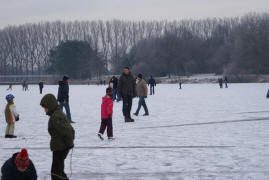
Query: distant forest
238,45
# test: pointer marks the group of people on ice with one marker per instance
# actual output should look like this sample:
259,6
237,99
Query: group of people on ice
221,80
20,167
126,88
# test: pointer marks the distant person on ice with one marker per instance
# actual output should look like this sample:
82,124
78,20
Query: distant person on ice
41,86
19,167
226,81
24,84
113,83
62,135
9,87
152,84
220,80
106,115
142,93
126,89
63,97
11,116
180,84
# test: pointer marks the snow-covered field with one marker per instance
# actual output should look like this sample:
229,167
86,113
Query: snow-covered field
191,133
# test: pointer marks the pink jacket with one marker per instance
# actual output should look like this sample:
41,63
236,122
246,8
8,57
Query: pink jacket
106,107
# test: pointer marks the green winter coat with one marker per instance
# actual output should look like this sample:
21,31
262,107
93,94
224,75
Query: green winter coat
61,132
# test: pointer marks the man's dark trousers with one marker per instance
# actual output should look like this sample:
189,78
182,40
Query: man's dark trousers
127,105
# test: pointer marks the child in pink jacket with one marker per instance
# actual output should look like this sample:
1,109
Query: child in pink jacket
106,115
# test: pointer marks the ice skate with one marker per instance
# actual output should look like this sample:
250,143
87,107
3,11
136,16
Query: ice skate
100,136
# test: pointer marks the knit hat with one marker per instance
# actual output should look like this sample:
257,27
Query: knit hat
22,160
140,76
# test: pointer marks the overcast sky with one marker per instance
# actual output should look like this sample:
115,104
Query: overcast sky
14,12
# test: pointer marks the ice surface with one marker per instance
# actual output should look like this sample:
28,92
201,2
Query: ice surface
175,152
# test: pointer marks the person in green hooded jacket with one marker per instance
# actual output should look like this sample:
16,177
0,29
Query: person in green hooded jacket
62,135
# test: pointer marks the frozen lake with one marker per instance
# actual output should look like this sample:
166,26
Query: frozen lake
199,132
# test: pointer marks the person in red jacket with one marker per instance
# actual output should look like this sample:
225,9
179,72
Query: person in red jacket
106,115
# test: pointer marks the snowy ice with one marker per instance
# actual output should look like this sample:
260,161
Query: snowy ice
191,133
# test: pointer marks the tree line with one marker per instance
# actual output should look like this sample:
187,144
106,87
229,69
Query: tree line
214,45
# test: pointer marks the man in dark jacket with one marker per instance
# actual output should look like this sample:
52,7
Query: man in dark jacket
63,97
114,82
126,89
41,86
152,84
62,135
19,167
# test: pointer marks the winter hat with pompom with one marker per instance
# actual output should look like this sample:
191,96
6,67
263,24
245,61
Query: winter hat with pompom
22,160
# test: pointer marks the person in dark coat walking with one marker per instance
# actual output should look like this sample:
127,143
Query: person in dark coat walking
226,81
63,97
41,86
126,89
180,84
62,135
19,167
220,80
9,87
152,84
113,83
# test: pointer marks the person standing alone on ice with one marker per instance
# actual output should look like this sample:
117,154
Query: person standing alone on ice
106,115
11,116
63,97
152,84
19,167
126,89
41,86
9,87
62,135
142,93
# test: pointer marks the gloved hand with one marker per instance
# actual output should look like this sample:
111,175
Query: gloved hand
146,96
17,118
109,117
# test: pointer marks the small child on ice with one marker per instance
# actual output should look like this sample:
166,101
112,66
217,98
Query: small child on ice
11,116
106,115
